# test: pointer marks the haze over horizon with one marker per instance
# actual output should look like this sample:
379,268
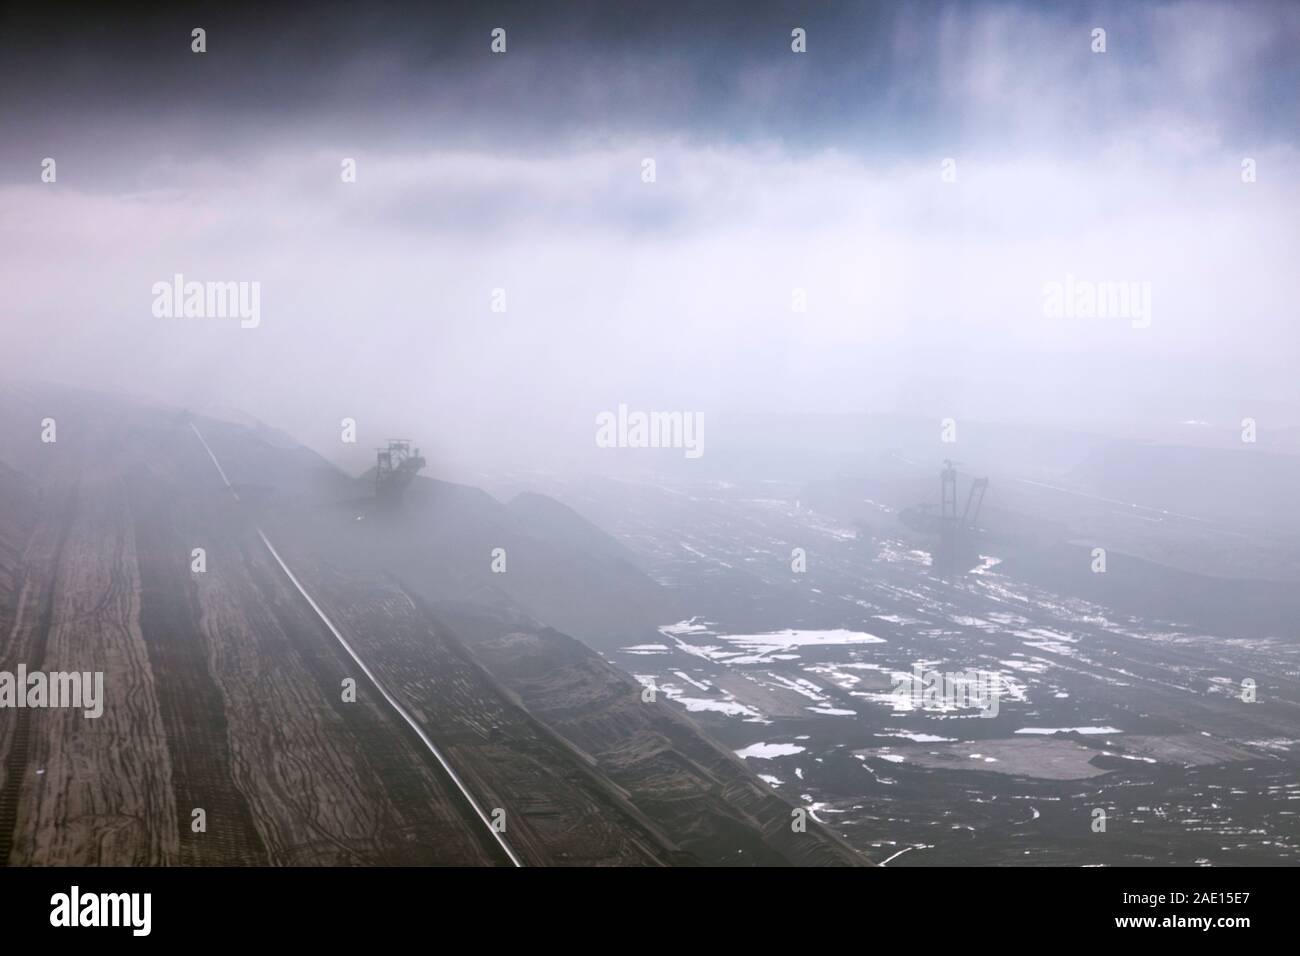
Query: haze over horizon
774,171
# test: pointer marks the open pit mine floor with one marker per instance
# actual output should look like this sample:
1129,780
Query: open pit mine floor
226,690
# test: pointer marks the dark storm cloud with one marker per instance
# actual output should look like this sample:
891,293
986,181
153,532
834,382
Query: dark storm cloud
386,55
880,77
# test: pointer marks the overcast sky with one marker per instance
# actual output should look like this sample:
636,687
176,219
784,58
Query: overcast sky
775,171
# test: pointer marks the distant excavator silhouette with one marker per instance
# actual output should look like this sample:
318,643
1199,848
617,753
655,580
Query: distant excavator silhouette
396,466
956,549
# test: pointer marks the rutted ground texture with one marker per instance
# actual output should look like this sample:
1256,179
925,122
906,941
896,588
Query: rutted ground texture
671,692
224,692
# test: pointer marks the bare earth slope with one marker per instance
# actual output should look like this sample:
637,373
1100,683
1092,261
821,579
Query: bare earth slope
688,785
221,693
226,737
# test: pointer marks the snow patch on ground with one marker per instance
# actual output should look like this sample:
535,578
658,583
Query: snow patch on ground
767,751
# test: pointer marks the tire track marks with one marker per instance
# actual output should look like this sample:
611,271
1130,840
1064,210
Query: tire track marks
17,756
193,711
396,707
